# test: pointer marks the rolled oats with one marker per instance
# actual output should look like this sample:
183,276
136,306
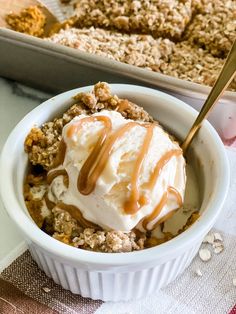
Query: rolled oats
192,63
205,255
218,249
46,289
155,17
214,28
139,50
198,272
218,237
209,238
181,60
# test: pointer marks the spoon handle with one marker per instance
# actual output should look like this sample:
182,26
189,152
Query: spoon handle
224,79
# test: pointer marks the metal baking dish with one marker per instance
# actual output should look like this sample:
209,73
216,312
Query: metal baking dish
55,68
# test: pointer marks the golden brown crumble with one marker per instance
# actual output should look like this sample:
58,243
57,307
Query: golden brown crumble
29,21
205,30
109,241
187,39
214,28
134,49
62,226
41,144
185,60
155,17
59,224
192,63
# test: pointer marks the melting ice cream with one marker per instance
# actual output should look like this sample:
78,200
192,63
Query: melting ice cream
117,173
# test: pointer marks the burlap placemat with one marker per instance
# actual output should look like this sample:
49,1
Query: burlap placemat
24,288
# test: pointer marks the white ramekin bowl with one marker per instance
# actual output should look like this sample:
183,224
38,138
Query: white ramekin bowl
118,276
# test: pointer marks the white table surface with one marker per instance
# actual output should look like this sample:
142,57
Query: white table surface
15,101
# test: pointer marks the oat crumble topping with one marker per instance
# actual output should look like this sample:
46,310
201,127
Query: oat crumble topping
155,17
139,50
187,39
214,28
193,63
62,226
181,60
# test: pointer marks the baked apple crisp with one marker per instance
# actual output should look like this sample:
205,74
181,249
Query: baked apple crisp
51,196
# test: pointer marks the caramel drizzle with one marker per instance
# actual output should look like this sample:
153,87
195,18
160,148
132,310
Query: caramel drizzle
75,128
86,181
96,162
88,177
55,173
133,204
157,210
50,204
177,195
60,155
160,164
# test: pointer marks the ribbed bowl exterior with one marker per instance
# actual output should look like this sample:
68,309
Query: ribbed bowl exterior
119,283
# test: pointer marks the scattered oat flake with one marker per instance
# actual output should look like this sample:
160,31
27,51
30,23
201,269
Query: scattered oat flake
209,238
46,289
205,255
198,272
218,249
217,236
234,282
217,244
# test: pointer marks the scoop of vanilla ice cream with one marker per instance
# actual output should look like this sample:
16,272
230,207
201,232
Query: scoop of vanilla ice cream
104,206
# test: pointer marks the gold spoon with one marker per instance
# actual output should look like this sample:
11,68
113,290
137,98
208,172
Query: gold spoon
225,77
9,6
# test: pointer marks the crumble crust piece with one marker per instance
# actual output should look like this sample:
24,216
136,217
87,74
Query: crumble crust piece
66,229
192,63
139,50
42,143
187,39
29,21
59,224
155,17
182,60
214,28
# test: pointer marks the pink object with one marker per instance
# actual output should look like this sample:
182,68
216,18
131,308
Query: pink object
222,117
233,311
